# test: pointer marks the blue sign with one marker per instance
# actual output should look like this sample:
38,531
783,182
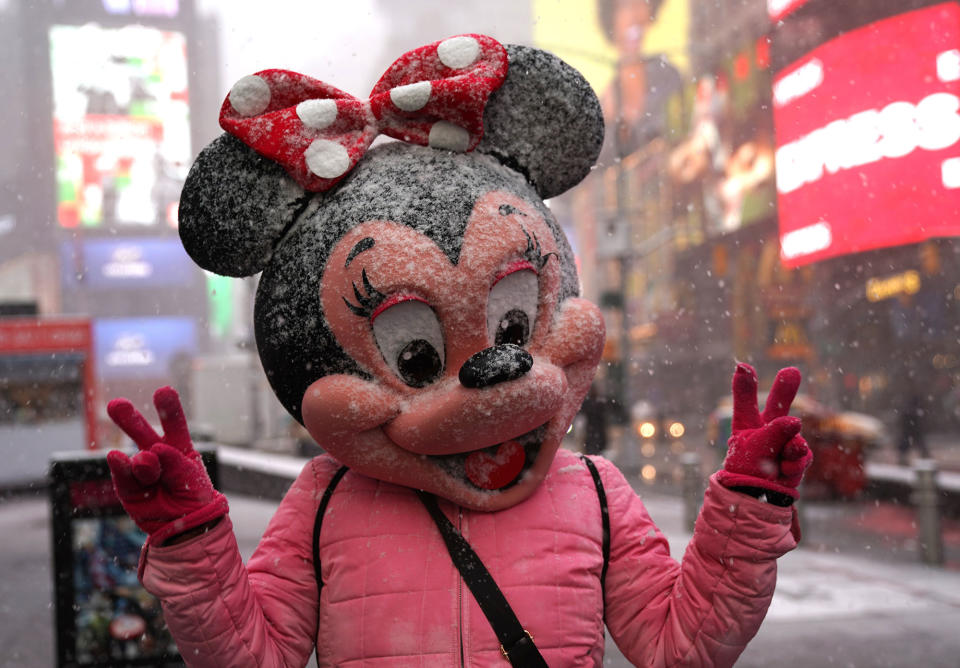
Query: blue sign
127,348
126,263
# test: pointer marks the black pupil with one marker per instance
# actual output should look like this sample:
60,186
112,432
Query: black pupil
514,328
419,363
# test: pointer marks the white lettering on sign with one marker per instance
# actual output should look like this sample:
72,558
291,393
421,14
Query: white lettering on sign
948,65
806,240
777,8
950,173
798,83
127,262
130,358
868,136
130,350
127,270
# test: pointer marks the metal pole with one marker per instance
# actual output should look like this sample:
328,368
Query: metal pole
926,500
629,442
692,489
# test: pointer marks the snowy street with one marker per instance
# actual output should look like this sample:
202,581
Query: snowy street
842,609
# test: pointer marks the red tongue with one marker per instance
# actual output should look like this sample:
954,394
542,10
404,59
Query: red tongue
488,472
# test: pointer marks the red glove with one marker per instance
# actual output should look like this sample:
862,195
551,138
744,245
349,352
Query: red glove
765,451
164,487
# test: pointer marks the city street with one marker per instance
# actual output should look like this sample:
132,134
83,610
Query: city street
727,231
843,603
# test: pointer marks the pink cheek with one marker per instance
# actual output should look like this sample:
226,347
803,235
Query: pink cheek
341,407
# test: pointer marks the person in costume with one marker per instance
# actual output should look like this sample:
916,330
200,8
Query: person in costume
418,314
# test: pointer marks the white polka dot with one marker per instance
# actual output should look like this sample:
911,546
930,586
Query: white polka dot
327,159
412,96
458,52
250,96
317,114
449,136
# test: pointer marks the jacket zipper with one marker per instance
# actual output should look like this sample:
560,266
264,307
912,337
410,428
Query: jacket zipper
460,593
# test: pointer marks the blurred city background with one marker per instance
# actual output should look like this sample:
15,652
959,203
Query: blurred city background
779,185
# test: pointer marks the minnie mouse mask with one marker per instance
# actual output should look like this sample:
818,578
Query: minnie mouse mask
417,310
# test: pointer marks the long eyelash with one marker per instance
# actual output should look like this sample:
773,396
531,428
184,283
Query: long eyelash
506,210
533,252
368,302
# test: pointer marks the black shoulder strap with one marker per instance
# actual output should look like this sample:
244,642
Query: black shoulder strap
317,523
604,516
516,643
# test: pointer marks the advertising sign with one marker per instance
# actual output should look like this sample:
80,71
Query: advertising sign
126,263
22,338
868,138
726,150
120,124
104,616
131,348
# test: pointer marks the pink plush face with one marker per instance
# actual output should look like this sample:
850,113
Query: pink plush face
412,319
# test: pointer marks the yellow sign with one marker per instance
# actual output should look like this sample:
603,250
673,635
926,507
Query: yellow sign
570,29
907,283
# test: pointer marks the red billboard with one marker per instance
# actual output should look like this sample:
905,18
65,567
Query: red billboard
25,336
868,138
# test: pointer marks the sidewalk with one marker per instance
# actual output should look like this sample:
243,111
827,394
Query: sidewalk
834,608
944,449
887,479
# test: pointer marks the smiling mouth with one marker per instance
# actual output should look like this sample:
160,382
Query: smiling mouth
497,467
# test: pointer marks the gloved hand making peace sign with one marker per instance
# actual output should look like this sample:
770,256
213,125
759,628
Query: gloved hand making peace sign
164,487
765,453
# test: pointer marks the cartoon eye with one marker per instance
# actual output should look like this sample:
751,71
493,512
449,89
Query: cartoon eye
411,341
512,307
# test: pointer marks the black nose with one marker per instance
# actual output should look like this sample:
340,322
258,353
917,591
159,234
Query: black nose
495,365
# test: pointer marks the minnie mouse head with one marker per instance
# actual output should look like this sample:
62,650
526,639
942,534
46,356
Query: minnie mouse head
417,310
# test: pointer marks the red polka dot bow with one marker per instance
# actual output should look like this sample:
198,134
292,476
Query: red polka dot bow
433,96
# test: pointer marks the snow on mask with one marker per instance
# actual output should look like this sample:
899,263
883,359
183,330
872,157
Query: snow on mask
417,312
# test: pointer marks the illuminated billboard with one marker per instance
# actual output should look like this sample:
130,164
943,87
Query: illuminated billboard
139,348
126,263
868,138
725,153
120,124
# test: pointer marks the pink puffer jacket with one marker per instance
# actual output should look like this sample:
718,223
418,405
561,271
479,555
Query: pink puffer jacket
392,596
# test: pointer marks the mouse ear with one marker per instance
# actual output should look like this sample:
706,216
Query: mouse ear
235,207
544,121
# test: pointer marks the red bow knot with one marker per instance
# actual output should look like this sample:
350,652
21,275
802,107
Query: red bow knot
432,96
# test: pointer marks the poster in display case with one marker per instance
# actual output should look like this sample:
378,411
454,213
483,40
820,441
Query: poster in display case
104,616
